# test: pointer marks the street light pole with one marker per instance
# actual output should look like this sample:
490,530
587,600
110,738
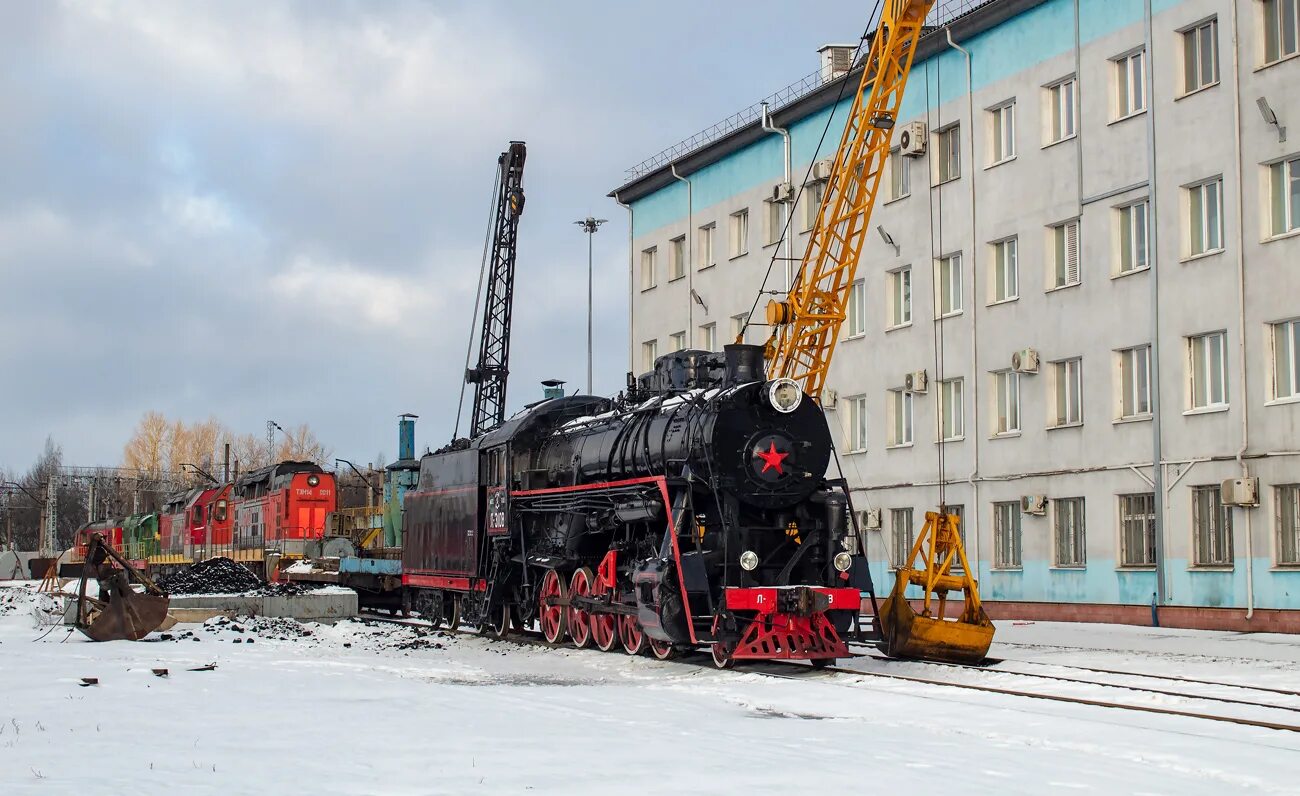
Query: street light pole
589,225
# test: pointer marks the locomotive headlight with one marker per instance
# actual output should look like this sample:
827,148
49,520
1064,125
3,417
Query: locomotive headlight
749,560
843,561
313,480
784,395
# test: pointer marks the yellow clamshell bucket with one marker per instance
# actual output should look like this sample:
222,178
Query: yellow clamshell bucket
929,635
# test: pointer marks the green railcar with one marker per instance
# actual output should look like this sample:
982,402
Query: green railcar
140,536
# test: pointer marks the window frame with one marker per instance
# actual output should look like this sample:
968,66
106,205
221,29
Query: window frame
899,298
1004,511
1192,33
1283,196
1126,228
897,158
1277,17
677,339
815,191
1216,533
1122,354
1006,403
706,336
738,323
900,552
958,424
1073,393
1062,248
857,431
1279,529
1002,136
1143,522
1000,269
1206,361
774,222
947,168
738,234
1078,513
707,253
1055,108
1292,356
1127,80
945,289
677,257
855,311
650,257
649,353
900,418
1195,196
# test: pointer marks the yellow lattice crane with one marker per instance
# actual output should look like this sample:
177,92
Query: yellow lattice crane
806,325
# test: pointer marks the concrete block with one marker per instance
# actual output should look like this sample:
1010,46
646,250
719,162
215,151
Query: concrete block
322,606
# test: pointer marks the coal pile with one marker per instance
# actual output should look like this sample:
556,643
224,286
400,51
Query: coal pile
214,576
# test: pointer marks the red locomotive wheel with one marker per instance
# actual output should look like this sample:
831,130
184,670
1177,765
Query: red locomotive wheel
580,620
722,657
662,650
631,634
553,618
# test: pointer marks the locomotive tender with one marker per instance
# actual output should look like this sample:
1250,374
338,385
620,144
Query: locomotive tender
693,510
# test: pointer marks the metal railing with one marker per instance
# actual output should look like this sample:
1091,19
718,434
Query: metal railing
943,13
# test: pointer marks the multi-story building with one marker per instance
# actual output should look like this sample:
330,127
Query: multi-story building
1086,257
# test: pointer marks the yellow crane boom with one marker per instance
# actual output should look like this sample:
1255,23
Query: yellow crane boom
806,324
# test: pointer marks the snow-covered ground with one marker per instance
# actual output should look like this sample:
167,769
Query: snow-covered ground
376,708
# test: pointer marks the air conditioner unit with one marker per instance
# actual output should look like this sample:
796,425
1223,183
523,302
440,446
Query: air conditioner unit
1240,492
871,519
822,169
916,381
1033,504
911,139
829,398
1025,361
782,192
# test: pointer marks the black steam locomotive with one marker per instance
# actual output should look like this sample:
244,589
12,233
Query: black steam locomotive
694,509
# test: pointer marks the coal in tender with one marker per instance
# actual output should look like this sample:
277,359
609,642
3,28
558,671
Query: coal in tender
213,576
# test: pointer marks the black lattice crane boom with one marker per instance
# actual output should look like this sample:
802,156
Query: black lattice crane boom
490,374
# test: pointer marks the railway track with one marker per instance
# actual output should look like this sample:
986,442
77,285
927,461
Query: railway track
798,671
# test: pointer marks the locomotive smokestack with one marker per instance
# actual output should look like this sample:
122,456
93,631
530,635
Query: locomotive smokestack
744,364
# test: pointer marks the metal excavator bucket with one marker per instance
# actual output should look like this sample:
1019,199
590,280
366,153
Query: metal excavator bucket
120,612
929,635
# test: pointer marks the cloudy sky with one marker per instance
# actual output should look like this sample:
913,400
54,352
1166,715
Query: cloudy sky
275,210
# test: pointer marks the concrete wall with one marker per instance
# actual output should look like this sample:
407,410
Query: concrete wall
1085,177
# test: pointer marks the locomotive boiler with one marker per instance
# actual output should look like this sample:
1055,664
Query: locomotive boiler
693,510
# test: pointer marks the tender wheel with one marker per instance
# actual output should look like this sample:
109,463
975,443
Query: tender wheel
498,623
451,607
821,663
435,609
662,650
722,657
631,634
579,620
553,618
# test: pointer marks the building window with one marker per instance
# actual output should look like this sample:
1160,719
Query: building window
1200,56
1287,500
1065,254
1281,29
900,175
948,286
901,536
900,417
1069,530
856,315
1133,237
1006,280
775,221
1207,370
1002,133
1212,525
740,233
1137,523
738,327
1067,388
1135,382
707,337
705,238
649,353
1286,359
1205,217
648,267
1130,85
1284,190
677,259
857,424
1006,402
677,341
900,297
948,163
1061,111
951,410
1006,535
814,193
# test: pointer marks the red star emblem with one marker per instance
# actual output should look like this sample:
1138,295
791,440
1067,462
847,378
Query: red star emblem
771,457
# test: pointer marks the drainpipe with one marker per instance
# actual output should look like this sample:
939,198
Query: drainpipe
789,239
973,477
690,251
1241,310
1078,116
631,285
1157,460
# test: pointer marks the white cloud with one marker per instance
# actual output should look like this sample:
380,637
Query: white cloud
342,293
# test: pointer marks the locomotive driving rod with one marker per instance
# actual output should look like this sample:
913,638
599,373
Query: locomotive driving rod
592,605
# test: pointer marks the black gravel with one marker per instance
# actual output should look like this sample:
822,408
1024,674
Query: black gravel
214,576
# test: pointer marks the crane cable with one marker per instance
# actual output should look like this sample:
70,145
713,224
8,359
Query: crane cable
844,82
478,295
938,331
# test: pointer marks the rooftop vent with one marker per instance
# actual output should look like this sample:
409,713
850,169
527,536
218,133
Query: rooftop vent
836,60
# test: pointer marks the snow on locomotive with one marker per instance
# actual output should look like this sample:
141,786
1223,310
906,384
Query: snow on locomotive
692,511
